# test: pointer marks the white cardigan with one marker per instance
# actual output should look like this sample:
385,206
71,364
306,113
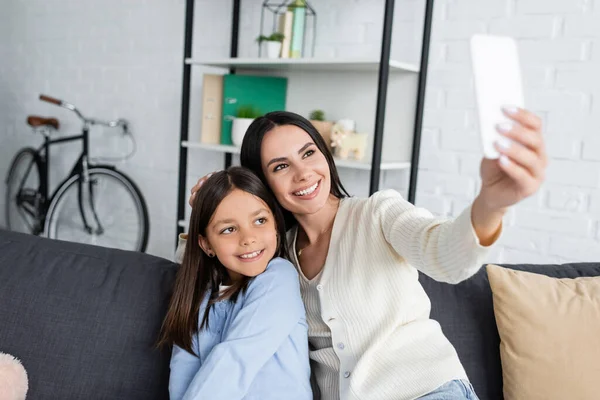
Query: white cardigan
376,310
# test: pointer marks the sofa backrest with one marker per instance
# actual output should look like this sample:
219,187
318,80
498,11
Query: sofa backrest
83,319
466,314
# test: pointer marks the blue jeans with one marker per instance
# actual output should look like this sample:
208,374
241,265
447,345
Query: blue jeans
453,390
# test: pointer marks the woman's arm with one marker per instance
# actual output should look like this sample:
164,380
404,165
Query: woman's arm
272,308
448,250
517,174
184,367
453,250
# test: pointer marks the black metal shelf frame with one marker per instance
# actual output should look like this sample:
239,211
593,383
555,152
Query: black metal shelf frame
384,69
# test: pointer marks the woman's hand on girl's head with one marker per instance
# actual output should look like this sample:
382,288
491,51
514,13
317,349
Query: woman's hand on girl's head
197,187
521,168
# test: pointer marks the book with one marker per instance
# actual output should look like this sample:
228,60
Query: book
285,27
263,93
298,8
212,108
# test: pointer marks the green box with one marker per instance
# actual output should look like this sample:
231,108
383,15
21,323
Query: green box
265,93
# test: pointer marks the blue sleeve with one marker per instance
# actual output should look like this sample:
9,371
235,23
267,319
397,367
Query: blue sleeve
272,307
184,366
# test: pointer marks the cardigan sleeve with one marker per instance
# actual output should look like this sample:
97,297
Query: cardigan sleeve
447,250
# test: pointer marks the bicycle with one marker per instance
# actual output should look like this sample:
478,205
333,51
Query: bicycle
94,204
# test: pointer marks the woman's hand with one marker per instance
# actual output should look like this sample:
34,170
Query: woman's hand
197,187
517,174
521,168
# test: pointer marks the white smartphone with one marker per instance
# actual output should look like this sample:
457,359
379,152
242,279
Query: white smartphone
498,83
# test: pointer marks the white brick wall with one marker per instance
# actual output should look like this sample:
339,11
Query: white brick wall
558,41
124,59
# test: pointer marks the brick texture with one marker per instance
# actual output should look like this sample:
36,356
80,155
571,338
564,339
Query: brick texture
123,59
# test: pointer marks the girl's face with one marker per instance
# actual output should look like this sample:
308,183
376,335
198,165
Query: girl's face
242,234
297,172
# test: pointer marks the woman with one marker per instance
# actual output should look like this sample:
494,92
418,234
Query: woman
369,328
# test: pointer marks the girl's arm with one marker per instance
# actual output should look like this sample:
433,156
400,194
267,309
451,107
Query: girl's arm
184,366
272,308
448,250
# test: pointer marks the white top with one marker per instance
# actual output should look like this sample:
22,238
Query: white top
369,329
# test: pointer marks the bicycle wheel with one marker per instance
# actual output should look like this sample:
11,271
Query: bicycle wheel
23,193
111,204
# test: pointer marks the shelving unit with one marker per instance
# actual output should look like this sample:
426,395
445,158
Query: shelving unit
385,166
306,64
383,67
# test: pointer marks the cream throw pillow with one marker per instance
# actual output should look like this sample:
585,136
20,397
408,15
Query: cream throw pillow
549,334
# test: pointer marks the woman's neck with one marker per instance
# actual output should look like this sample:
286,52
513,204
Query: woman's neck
314,225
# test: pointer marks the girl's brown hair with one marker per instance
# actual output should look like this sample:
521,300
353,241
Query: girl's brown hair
200,275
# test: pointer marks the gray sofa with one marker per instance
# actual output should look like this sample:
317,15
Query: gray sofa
84,319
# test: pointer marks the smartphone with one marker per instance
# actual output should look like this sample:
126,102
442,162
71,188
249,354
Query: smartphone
498,83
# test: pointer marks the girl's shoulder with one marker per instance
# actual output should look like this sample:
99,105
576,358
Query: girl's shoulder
281,266
279,271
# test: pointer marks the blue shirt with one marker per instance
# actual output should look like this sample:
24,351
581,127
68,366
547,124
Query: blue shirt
254,348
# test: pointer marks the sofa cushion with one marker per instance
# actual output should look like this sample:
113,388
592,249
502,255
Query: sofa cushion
82,319
465,312
550,334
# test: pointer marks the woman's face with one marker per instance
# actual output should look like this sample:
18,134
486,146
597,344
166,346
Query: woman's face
296,171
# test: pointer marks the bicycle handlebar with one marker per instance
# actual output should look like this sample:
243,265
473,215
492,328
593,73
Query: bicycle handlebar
52,100
112,124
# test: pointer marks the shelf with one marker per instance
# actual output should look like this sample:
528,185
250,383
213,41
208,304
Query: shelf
351,164
305,64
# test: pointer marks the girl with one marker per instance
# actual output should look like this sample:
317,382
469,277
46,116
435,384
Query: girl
358,259
236,319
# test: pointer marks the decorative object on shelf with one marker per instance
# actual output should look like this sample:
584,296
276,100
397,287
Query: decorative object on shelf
272,44
317,119
346,143
296,20
245,116
212,108
267,93
347,124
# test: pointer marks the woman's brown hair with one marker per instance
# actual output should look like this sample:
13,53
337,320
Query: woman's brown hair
200,275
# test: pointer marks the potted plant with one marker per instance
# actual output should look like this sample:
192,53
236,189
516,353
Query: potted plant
317,118
272,44
245,115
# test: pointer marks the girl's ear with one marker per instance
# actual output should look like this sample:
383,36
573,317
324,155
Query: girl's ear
205,246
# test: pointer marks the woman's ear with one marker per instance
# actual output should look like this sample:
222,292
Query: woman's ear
205,246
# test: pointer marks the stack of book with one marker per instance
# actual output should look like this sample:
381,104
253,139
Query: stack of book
292,25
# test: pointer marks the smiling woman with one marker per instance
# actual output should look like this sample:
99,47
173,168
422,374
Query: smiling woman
358,260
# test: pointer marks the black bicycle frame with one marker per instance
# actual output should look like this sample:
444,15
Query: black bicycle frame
44,184
77,170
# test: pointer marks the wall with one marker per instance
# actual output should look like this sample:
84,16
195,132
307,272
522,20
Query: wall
559,48
123,59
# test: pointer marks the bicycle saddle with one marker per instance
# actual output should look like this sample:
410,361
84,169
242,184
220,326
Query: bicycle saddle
35,121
